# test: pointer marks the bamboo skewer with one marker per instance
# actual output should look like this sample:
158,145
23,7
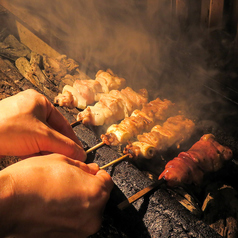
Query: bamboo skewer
141,193
95,147
114,161
73,124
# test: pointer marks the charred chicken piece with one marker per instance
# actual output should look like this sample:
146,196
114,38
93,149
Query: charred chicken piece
86,92
174,131
113,107
205,156
139,121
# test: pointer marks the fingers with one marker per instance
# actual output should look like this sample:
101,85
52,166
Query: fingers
55,142
59,123
94,169
45,111
53,131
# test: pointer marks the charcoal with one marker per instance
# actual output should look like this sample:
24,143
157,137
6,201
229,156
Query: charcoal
12,49
220,209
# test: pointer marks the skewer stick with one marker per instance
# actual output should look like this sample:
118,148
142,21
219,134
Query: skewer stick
141,193
73,124
114,161
95,147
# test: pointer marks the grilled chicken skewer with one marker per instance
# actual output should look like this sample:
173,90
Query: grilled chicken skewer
174,131
113,107
86,92
140,120
205,156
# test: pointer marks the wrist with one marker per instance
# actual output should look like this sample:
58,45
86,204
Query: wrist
7,207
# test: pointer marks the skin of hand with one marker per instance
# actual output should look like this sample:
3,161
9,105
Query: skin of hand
31,125
52,196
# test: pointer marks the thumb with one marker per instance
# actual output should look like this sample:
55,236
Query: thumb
105,178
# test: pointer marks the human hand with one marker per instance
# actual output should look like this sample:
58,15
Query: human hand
31,125
52,196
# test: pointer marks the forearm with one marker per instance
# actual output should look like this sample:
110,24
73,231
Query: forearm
7,206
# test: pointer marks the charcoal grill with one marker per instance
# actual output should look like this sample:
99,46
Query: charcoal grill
159,213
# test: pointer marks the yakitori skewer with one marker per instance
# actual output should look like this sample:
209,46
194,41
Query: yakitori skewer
173,131
113,106
151,113
205,156
85,92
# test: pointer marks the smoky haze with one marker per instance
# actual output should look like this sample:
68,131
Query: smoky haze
121,35
139,40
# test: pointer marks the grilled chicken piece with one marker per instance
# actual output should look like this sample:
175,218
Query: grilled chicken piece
158,109
174,131
129,98
112,108
81,94
205,156
70,98
139,121
109,81
88,90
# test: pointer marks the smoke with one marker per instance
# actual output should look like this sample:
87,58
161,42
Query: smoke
139,40
126,36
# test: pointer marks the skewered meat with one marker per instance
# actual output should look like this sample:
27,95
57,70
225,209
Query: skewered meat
112,107
88,90
109,81
158,109
70,98
129,97
81,94
205,156
174,131
139,121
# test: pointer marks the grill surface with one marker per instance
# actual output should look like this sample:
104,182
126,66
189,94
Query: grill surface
155,215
